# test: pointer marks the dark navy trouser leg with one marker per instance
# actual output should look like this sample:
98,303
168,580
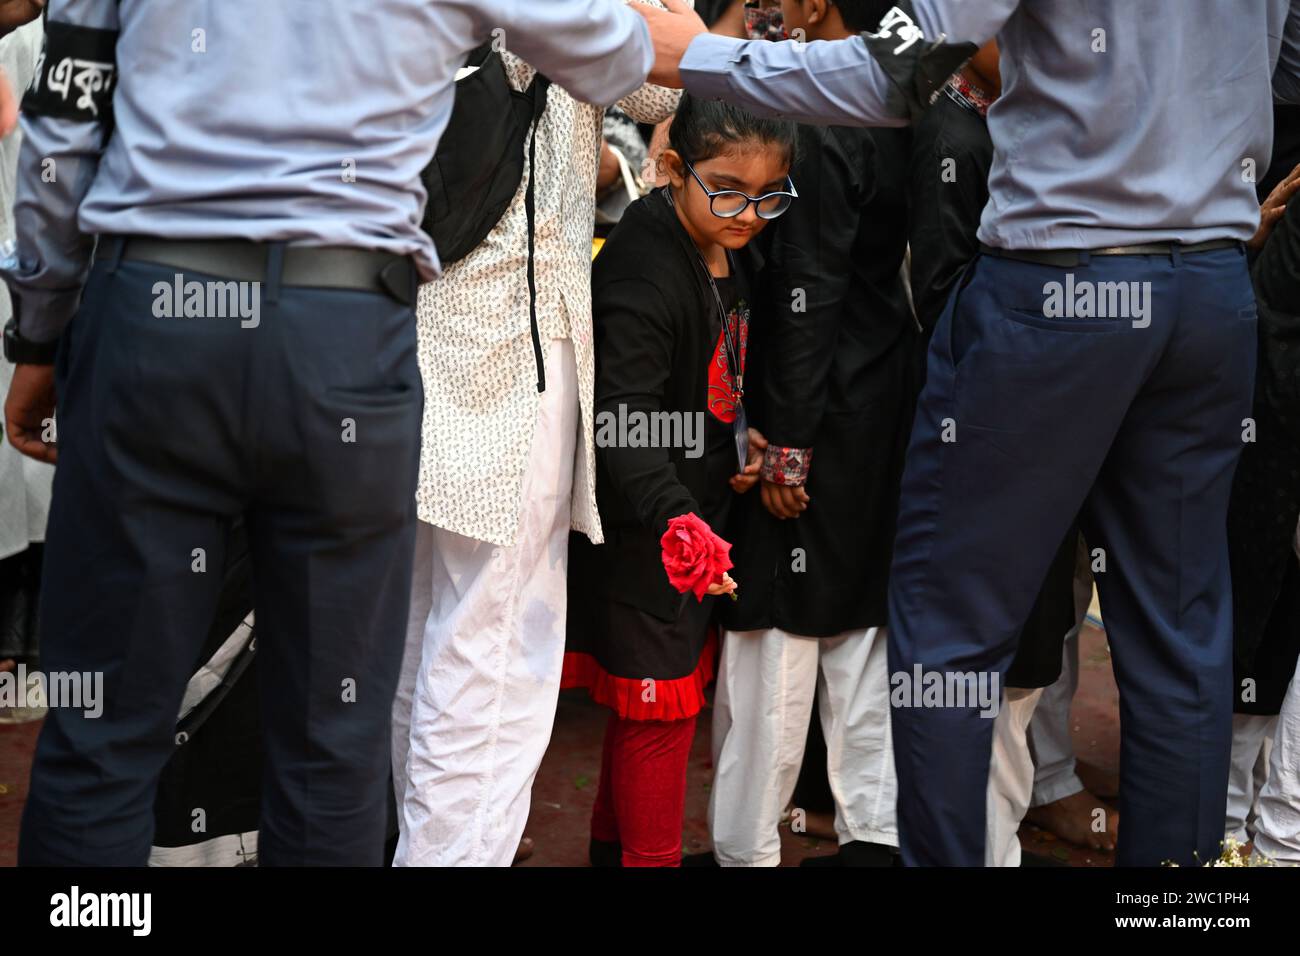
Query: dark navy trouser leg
1020,416
308,422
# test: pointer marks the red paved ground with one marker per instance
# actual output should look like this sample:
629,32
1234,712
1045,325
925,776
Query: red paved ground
16,743
566,785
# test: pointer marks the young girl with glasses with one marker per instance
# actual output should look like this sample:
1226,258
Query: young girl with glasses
671,300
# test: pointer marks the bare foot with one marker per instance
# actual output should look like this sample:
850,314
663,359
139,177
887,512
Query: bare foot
1080,819
525,850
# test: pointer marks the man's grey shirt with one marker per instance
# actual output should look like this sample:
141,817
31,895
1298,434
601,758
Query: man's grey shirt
306,121
1120,121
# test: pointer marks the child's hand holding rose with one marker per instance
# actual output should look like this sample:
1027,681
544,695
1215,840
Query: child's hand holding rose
695,558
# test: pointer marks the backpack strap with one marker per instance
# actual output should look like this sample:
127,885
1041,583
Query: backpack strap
537,89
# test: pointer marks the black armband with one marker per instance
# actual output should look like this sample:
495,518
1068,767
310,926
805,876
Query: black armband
75,75
918,66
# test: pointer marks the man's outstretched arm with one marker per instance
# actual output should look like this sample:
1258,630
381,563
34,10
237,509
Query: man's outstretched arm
597,50
881,79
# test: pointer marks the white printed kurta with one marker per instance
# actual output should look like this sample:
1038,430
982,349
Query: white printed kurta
476,352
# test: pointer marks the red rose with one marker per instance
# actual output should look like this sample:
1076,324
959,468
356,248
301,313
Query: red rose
693,555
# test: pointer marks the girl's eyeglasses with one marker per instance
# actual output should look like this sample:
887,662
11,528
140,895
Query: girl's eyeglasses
730,203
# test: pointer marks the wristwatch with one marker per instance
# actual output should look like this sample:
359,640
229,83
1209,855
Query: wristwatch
21,351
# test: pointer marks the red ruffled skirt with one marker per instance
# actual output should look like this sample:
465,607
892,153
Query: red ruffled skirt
645,698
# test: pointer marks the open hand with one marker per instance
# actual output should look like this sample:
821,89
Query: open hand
1274,208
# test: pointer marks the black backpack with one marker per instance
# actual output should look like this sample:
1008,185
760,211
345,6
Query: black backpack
479,164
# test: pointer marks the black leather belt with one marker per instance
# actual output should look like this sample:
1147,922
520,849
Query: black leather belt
1069,258
321,267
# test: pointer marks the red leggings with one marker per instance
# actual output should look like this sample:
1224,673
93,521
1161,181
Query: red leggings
642,795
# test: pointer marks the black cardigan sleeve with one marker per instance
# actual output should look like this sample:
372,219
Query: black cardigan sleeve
635,333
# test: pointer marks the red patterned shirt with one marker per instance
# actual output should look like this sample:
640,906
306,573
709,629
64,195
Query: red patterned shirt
724,394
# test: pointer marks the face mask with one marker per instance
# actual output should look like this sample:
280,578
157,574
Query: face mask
763,20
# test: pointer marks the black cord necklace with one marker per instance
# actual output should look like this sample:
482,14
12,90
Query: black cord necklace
731,344
730,341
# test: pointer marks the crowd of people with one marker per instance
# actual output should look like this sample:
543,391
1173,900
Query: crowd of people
834,382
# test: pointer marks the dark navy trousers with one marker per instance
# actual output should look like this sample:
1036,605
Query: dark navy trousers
308,424
1133,423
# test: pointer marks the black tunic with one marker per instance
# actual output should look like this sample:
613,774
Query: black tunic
1286,147
657,335
952,154
1265,503
834,350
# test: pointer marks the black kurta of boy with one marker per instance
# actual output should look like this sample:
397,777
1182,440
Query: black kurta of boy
831,370
1265,503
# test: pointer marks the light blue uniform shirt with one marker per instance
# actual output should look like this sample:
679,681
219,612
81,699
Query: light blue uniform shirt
307,121
1120,121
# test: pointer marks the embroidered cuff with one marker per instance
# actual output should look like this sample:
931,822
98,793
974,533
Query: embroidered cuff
786,466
